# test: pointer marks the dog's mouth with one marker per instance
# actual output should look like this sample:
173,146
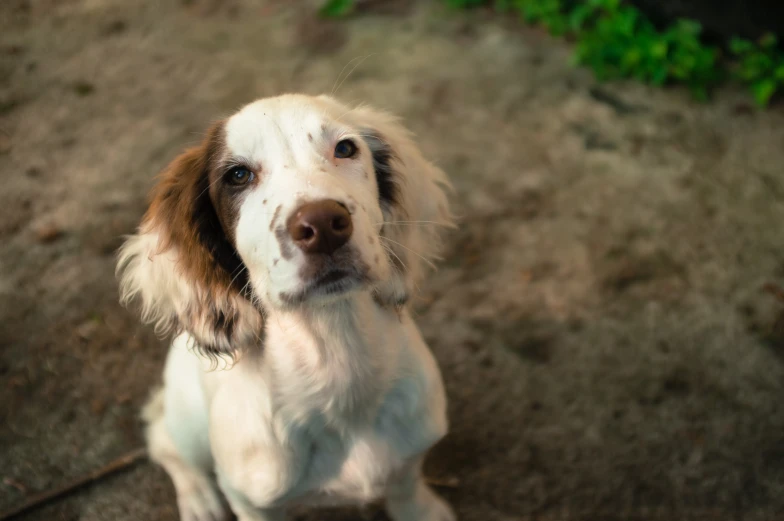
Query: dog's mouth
333,282
329,283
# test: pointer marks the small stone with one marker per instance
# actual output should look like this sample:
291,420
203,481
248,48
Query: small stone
98,406
116,27
83,88
87,329
5,144
48,233
12,50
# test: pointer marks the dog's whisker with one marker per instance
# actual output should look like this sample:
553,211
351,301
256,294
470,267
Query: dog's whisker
334,85
335,89
392,252
428,261
410,223
210,185
347,112
240,272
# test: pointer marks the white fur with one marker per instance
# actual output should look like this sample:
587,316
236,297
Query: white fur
343,398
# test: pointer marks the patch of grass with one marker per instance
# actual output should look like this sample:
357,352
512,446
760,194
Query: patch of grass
616,40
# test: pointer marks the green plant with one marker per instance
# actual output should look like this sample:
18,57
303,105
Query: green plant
616,40
690,61
760,66
547,13
465,3
336,8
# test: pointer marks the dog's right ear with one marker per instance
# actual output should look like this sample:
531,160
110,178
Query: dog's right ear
412,193
181,264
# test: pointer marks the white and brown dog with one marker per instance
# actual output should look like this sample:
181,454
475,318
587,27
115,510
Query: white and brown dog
283,251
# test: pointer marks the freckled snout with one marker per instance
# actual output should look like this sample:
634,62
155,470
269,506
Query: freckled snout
320,226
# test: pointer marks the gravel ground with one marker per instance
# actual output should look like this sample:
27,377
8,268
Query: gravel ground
600,317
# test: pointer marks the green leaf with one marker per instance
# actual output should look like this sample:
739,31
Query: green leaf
659,49
768,41
659,75
763,90
740,46
579,16
336,8
503,5
688,27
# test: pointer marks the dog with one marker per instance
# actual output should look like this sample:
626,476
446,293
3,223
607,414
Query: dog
282,252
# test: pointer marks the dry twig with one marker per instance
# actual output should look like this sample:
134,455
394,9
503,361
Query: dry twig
117,465
41,498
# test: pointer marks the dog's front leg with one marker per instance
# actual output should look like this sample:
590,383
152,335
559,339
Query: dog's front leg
410,499
244,509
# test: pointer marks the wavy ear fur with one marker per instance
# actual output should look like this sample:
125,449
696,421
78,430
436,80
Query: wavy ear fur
181,264
413,197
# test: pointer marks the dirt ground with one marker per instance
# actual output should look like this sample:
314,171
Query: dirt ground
601,318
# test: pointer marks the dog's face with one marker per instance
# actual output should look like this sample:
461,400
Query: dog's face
301,193
292,201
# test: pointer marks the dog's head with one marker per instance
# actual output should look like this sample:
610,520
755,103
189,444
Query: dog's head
292,201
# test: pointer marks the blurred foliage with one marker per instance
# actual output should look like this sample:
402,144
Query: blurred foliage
616,40
760,65
336,8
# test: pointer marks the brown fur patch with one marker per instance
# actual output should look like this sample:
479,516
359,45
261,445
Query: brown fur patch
195,215
284,242
275,217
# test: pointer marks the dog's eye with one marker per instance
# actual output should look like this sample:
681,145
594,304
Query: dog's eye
345,149
239,175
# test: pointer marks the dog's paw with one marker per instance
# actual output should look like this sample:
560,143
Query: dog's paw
440,511
202,504
425,506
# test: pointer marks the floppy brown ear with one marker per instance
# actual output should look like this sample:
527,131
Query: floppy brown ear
182,265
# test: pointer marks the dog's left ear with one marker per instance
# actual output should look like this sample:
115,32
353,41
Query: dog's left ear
413,195
182,266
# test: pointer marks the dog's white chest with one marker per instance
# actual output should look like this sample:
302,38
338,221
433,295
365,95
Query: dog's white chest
358,466
327,423
360,469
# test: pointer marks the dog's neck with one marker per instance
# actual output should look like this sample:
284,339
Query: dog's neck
336,357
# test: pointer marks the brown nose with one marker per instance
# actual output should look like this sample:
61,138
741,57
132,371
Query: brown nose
320,227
